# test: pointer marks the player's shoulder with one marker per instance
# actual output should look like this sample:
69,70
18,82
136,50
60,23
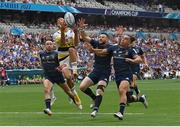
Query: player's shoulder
139,49
55,51
57,33
111,44
112,48
114,45
70,31
41,52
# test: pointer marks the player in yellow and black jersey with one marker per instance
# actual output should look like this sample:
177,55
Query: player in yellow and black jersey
66,40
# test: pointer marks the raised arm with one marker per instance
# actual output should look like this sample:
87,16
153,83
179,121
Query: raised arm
76,35
144,60
62,26
82,25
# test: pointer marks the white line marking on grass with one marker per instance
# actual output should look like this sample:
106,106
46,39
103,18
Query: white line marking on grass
69,113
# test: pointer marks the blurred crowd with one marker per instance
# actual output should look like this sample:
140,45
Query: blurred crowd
139,5
163,56
20,52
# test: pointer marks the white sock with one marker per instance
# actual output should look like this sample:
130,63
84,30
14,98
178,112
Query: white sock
52,93
74,65
73,90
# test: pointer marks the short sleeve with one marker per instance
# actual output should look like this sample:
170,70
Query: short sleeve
94,43
110,49
132,52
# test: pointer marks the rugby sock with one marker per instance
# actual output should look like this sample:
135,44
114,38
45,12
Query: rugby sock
122,108
98,101
48,103
74,67
52,93
131,90
136,90
130,97
89,92
140,99
73,90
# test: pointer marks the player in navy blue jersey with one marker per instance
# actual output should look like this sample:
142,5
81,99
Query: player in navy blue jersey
52,74
136,67
123,57
101,70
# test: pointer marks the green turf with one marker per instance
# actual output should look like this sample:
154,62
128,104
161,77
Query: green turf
22,105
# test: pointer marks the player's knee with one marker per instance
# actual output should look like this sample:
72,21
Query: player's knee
72,50
128,94
68,77
122,90
100,90
82,88
66,74
47,90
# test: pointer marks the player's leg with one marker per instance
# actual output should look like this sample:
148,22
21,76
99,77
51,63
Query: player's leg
53,97
84,87
67,74
47,89
99,95
134,84
123,88
133,98
136,98
68,91
73,61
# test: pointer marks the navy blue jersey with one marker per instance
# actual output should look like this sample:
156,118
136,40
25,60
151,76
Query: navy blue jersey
101,62
138,50
119,54
49,61
136,67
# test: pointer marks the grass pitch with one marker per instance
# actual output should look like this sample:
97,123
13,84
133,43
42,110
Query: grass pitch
23,105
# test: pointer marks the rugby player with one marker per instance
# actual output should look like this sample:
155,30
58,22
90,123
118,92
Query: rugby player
123,56
101,69
66,39
53,74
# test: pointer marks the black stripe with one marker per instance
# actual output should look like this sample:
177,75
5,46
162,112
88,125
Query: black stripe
63,58
64,48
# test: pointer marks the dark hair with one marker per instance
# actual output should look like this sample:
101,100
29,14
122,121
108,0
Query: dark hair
105,33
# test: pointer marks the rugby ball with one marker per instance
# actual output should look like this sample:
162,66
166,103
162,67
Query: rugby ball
69,19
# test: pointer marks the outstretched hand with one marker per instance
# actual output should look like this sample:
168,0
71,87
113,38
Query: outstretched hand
81,23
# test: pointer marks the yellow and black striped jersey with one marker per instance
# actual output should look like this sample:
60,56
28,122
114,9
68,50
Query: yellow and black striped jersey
69,40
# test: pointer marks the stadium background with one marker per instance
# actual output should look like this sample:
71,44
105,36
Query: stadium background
26,24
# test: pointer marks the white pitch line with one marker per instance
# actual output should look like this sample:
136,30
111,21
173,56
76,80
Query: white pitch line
68,113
